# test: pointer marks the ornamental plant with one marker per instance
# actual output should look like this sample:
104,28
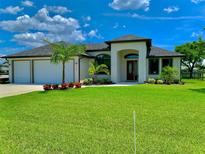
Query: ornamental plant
71,85
55,86
95,69
151,81
47,87
169,74
77,85
64,86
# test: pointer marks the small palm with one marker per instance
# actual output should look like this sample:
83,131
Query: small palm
95,69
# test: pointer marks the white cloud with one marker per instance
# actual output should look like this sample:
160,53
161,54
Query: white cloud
94,34
130,4
30,39
142,17
86,25
27,3
87,18
56,28
166,18
57,9
11,10
171,9
117,25
197,1
196,34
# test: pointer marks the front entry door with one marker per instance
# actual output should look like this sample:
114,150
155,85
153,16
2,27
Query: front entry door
132,70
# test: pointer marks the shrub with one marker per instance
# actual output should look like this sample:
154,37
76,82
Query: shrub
106,81
182,82
88,81
55,86
102,81
169,74
64,86
176,81
77,85
160,82
71,85
47,87
151,81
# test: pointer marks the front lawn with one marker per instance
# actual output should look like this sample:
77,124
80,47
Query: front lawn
170,119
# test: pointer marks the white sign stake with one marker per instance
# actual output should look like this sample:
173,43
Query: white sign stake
134,120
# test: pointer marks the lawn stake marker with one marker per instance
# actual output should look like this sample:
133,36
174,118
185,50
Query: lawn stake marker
134,120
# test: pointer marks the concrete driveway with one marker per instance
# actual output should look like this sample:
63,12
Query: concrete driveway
15,89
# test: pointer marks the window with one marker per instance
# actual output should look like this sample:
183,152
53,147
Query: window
103,59
132,56
167,62
153,66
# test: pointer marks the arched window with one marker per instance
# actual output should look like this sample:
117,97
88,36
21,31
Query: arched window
103,59
132,56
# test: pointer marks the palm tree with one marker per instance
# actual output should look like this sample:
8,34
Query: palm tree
95,69
63,52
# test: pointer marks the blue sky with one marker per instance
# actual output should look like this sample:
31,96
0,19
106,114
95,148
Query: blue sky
24,24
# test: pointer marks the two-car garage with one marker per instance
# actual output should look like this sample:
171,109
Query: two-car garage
41,72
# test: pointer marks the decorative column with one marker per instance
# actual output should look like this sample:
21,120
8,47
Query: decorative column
142,66
114,67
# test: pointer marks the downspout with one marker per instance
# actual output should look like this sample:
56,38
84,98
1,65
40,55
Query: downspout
79,69
180,69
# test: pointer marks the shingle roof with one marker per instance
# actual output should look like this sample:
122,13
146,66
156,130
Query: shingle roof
97,47
45,51
159,52
36,52
128,38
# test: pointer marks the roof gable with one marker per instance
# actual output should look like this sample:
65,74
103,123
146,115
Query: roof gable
128,38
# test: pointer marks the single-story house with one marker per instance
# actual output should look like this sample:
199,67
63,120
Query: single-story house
129,58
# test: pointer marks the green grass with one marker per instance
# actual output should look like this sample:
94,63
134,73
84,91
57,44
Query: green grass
170,119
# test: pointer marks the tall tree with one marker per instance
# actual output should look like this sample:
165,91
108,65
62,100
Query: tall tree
194,54
63,52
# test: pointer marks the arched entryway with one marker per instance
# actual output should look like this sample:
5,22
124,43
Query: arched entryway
128,65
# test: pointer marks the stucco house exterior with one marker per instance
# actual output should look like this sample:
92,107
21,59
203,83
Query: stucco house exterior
129,58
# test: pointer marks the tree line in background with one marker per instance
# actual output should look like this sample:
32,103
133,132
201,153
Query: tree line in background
194,55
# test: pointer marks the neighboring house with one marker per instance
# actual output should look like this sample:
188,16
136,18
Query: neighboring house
129,58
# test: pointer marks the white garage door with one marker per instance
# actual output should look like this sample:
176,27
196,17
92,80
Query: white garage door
69,71
46,72
22,72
